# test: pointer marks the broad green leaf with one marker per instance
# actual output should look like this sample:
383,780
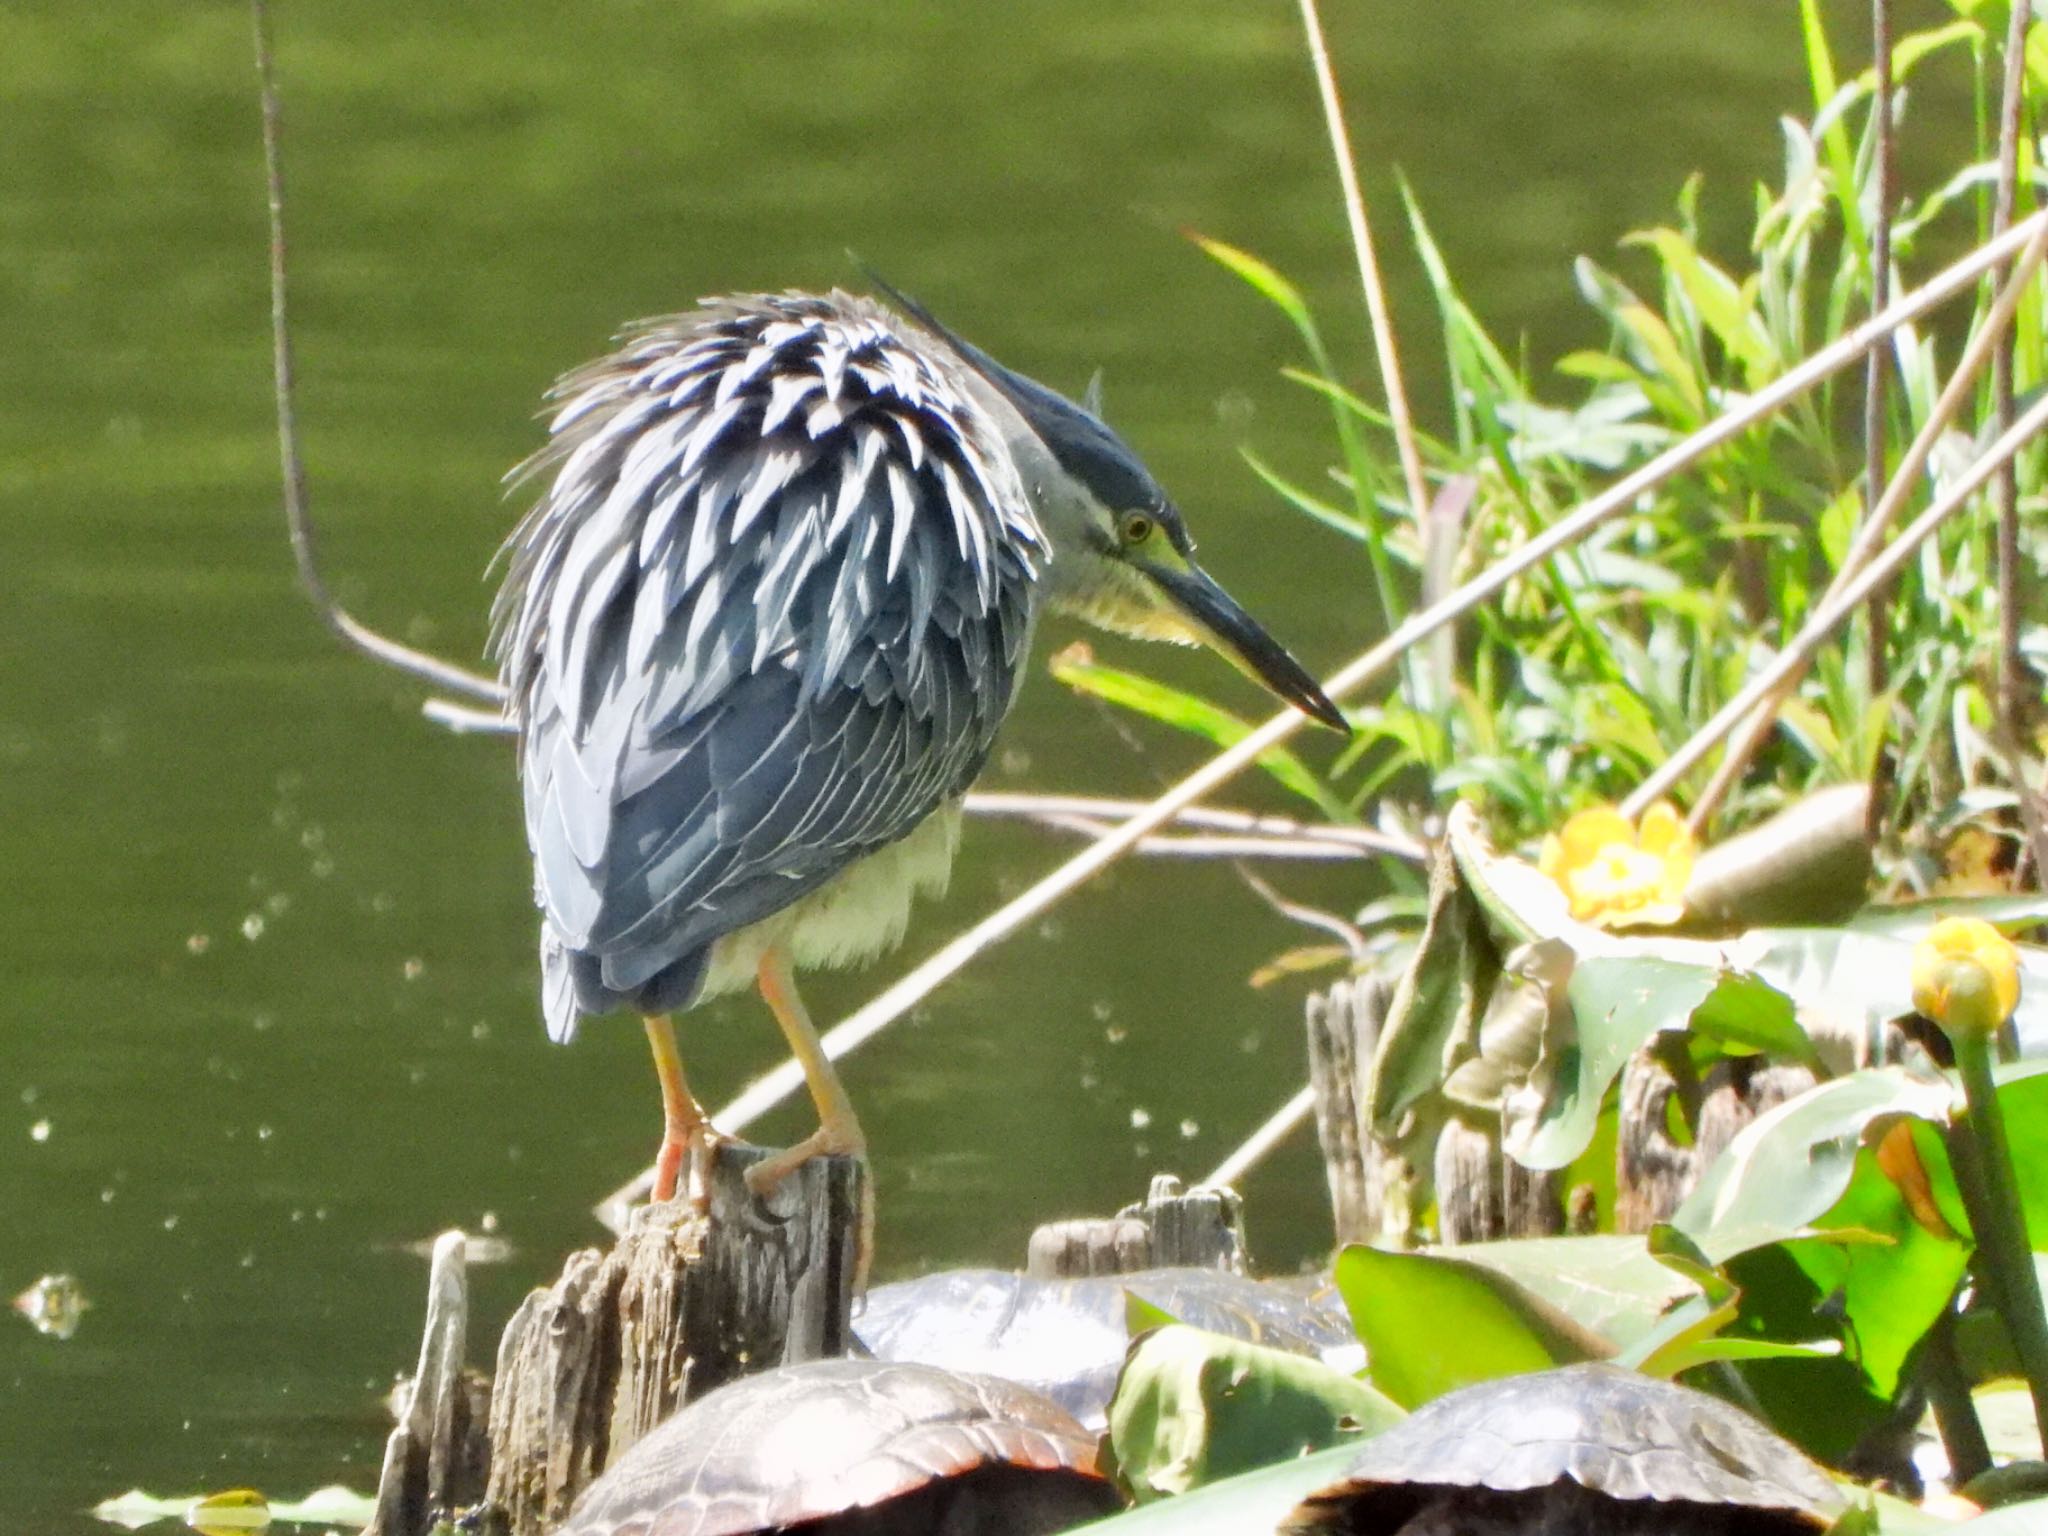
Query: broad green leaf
1192,1406
1786,1168
1888,1292
1431,1322
1852,980
1617,1004
1610,1284
1252,1504
1194,715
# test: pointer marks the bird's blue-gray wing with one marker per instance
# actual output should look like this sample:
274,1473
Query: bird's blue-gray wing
764,621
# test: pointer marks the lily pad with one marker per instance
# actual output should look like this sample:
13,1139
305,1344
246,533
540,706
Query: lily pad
1193,1406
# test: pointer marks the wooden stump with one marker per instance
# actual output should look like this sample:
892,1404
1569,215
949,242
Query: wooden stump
1343,1033
1201,1227
589,1364
682,1304
435,1460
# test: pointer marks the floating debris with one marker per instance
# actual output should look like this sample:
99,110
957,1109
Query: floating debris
53,1305
237,1509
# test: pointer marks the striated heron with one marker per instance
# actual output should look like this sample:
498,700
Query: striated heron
759,633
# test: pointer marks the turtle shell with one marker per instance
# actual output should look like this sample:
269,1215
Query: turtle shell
846,1445
1067,1338
1582,1441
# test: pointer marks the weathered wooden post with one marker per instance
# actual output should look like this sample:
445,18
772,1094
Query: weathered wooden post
588,1365
1653,1169
1343,1032
1201,1227
436,1458
681,1305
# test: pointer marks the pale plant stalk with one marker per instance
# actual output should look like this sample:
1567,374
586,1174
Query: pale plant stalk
1832,613
2011,665
1876,376
1368,266
1877,521
1255,1147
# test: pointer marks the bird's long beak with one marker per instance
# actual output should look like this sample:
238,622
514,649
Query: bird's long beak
1240,639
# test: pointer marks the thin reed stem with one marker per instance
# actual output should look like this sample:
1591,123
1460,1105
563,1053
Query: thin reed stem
1368,266
2012,690
1877,372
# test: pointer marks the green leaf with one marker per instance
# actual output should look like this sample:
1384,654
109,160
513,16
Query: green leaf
1889,1292
1431,1322
1262,278
1610,1285
1617,1003
1251,1504
1720,300
1433,1018
1192,1406
1195,715
1786,1168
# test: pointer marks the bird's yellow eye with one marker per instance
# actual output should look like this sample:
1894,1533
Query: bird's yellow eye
1137,528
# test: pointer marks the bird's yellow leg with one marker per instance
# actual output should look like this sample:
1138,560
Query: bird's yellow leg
686,1131
838,1131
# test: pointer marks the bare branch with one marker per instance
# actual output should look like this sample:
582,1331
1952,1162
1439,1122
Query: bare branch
1279,833
1832,612
1262,1141
393,653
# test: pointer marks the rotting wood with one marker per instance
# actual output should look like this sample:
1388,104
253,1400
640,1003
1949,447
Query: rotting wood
435,1459
1468,1184
1653,1170
680,1305
1201,1227
1740,1089
1343,1033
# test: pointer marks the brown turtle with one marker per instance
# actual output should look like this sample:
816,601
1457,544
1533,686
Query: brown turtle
1589,1450
853,1448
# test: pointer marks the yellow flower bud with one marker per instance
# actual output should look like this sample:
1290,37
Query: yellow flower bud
1966,976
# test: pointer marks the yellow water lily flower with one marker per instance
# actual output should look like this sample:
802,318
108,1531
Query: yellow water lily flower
1966,976
1619,875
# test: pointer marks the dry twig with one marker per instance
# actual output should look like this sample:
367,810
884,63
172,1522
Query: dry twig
393,653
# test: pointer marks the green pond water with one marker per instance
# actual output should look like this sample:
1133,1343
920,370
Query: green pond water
267,978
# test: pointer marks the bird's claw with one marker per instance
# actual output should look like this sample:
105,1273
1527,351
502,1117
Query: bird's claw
686,1158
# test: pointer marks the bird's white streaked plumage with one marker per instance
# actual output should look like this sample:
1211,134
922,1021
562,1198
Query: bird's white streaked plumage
760,628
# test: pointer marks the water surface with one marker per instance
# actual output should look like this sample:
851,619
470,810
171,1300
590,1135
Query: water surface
267,1010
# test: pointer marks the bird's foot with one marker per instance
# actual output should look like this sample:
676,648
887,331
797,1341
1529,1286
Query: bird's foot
828,1140
832,1139
686,1157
